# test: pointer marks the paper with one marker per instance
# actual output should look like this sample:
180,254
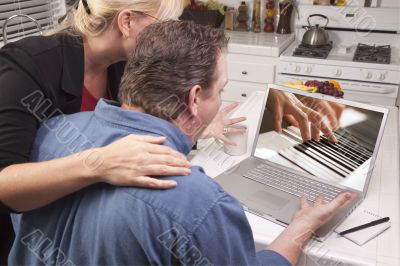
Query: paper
362,236
212,157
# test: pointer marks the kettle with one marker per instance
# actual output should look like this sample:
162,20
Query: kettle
316,35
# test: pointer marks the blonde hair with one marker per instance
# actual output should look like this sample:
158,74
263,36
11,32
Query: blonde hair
103,13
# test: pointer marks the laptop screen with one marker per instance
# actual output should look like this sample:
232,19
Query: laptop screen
342,155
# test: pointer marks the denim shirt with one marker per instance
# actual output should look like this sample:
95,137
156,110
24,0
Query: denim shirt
196,223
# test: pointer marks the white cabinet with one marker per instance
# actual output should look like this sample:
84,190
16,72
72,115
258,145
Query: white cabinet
252,62
237,91
251,68
246,74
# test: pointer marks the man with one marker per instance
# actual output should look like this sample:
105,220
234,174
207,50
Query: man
171,88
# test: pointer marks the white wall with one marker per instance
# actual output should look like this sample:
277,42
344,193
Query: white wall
390,3
384,3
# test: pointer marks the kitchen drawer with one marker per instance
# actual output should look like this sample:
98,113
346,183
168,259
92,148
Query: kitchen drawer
236,91
251,68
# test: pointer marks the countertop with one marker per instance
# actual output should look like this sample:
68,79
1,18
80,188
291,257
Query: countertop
261,44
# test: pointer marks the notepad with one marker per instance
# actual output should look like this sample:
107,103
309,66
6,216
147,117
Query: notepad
359,217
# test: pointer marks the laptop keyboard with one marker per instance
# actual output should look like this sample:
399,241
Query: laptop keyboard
292,183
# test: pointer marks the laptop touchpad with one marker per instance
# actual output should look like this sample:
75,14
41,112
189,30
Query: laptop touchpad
266,199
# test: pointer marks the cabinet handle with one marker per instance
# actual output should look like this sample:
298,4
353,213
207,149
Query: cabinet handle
244,95
244,72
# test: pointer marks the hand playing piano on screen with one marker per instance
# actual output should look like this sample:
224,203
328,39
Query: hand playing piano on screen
309,121
217,126
330,111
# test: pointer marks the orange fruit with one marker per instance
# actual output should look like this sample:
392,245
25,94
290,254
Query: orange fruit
336,84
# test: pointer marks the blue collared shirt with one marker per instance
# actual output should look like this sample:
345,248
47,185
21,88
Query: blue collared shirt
196,223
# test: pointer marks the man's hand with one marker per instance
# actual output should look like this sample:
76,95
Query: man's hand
305,222
286,105
314,216
216,128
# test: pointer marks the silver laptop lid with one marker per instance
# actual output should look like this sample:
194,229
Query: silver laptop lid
348,162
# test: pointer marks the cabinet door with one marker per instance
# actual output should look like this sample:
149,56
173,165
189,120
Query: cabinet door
259,69
236,91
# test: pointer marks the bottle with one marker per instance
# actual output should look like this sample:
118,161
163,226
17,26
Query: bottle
243,17
285,14
269,16
229,18
257,16
324,2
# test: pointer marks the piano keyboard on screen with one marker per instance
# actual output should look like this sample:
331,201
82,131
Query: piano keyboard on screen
331,161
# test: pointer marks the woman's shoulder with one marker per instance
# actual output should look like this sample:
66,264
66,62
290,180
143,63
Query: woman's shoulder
47,60
38,45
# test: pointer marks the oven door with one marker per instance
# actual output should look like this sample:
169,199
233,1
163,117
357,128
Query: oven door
367,92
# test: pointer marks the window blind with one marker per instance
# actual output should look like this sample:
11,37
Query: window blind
45,12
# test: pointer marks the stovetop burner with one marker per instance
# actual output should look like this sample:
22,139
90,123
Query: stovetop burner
372,54
312,51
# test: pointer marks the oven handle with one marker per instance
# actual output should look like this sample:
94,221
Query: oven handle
376,89
387,89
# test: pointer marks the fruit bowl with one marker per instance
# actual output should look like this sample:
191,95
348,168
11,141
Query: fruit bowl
329,87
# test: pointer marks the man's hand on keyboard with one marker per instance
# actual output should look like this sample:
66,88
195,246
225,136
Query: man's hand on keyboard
306,221
313,217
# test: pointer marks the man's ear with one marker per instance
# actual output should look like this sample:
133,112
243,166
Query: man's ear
125,22
194,100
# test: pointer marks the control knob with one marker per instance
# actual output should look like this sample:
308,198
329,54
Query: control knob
382,76
368,75
337,72
296,68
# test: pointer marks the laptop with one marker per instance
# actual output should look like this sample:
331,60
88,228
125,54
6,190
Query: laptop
282,167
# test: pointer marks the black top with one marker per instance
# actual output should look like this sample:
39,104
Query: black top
40,77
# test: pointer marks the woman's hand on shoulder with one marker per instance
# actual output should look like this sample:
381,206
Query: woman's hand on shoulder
132,160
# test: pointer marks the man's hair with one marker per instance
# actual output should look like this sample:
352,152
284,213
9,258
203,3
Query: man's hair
169,59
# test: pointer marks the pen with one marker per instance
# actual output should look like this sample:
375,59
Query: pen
360,227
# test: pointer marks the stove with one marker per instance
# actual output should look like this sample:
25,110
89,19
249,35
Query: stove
320,51
366,64
372,54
